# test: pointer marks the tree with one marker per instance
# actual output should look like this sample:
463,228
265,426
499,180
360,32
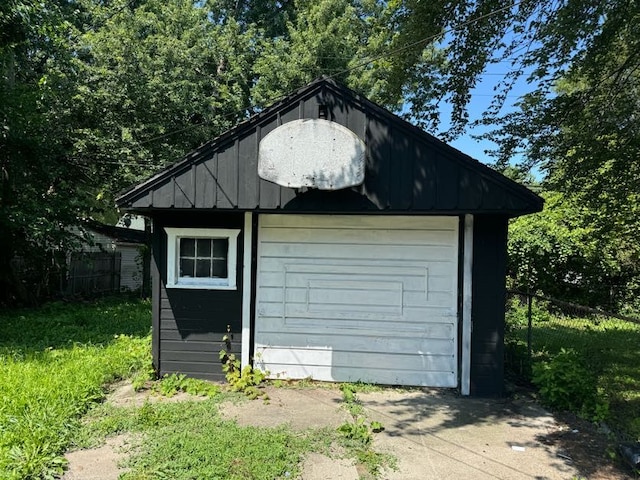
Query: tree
157,81
38,195
586,139
561,253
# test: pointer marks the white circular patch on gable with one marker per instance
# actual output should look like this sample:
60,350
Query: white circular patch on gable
313,153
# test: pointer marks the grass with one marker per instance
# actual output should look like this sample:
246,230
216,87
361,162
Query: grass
609,346
189,440
54,363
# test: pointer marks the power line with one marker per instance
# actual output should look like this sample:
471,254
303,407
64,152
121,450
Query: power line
427,39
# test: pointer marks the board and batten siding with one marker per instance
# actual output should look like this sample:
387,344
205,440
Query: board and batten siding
191,322
406,170
358,298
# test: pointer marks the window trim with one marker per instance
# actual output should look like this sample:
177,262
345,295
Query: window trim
205,283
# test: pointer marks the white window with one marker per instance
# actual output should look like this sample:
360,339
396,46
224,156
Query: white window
201,258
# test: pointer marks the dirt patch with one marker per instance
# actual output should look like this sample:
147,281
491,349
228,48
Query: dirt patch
291,407
122,394
587,447
101,463
432,434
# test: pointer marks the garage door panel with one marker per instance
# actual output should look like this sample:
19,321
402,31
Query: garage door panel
383,342
378,266
342,358
338,251
411,283
416,297
368,329
348,292
363,222
376,237
294,312
387,376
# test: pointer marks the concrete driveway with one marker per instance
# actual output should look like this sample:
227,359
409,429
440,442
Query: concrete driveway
434,434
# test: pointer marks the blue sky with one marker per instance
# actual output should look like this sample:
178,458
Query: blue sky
481,97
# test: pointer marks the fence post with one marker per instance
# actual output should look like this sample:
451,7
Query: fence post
529,323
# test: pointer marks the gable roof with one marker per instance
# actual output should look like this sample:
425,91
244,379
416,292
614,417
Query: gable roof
407,170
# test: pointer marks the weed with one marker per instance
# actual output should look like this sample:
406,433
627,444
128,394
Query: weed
169,385
357,434
245,380
608,349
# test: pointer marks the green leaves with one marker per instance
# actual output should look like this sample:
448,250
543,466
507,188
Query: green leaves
54,365
566,383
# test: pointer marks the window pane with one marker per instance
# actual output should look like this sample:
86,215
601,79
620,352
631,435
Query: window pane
187,247
204,247
203,268
220,268
186,267
220,247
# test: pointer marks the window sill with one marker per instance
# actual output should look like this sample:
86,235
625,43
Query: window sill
202,286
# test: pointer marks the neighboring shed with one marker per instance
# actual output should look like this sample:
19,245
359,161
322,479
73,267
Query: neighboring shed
129,243
337,242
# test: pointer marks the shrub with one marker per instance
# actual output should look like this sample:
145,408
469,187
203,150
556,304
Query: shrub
565,383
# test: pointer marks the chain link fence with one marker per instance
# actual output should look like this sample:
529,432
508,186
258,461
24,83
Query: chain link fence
538,328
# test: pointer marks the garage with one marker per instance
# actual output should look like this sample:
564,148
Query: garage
326,237
349,298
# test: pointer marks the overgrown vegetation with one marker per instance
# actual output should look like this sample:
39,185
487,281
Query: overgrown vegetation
357,434
169,385
580,364
54,364
246,380
189,440
566,383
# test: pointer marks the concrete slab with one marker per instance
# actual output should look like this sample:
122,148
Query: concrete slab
321,467
299,408
436,434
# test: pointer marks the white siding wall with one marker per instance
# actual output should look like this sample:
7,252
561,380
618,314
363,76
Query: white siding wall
347,298
130,266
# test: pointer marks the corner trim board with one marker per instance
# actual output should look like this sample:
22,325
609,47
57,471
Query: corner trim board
465,381
246,290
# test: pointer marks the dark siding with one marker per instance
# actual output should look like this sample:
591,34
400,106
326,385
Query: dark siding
406,170
156,288
247,167
184,189
376,175
206,184
488,297
228,176
191,323
423,185
447,179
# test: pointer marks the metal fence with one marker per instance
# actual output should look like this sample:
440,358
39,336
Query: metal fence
538,327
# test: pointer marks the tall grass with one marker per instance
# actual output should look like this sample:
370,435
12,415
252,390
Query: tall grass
54,363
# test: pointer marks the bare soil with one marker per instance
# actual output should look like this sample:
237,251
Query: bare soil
589,448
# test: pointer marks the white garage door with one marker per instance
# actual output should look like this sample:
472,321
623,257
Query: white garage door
358,298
